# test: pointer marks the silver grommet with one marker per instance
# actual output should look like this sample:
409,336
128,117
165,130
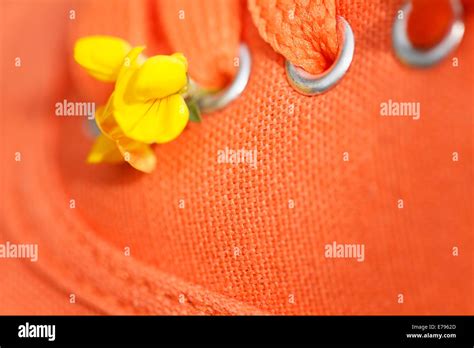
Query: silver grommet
426,58
210,102
316,84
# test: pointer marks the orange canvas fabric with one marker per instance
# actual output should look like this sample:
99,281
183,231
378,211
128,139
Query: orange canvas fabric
237,247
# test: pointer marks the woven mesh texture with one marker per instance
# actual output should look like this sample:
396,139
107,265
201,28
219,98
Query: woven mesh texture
237,247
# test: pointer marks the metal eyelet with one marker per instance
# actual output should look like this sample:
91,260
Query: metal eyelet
426,58
211,102
308,84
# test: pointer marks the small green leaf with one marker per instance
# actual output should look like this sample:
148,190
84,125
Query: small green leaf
194,112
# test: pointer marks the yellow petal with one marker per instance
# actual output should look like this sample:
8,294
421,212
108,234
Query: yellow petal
113,147
101,56
157,121
106,122
140,156
132,61
182,58
104,150
158,77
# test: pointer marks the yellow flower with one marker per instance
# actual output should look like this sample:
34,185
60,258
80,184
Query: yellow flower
112,146
101,56
147,105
